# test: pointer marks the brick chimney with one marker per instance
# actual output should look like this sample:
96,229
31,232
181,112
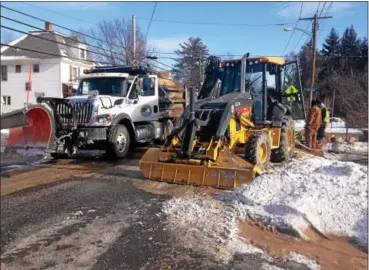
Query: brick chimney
48,26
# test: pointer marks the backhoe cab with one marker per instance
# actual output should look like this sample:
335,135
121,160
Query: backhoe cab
245,107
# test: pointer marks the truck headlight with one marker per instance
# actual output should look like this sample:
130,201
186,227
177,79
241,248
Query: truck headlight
105,118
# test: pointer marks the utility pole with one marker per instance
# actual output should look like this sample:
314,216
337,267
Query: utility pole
134,40
315,20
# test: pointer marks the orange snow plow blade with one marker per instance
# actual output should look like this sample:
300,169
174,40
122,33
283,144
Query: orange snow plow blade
230,171
35,137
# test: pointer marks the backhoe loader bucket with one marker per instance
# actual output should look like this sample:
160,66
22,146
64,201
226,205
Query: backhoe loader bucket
228,172
35,137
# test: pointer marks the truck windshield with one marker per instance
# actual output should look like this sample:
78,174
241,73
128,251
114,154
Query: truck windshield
110,86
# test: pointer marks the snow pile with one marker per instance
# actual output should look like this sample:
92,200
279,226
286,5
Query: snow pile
209,226
343,147
299,125
331,196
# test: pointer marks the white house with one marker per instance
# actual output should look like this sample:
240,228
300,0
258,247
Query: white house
51,72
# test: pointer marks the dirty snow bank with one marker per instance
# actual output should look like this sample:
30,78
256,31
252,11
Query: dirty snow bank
328,195
209,226
331,196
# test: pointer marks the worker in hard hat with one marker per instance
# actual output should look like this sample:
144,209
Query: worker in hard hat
313,123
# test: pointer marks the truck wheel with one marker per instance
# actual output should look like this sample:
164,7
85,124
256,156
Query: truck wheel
258,150
118,141
287,141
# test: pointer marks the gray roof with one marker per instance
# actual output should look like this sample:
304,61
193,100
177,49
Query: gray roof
45,46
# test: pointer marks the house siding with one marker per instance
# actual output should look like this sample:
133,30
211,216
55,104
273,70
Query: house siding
65,71
47,81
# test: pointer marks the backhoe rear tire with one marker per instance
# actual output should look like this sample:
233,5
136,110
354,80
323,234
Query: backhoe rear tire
118,141
258,150
287,141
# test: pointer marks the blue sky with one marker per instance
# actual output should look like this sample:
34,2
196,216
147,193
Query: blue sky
220,39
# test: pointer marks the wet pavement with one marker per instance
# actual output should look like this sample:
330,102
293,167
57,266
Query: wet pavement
97,219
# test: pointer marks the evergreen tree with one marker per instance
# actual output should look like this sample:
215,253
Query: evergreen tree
189,68
350,44
331,45
364,47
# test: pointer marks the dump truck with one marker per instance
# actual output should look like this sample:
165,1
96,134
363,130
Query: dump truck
242,120
113,108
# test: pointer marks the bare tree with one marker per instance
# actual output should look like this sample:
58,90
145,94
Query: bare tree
114,42
352,92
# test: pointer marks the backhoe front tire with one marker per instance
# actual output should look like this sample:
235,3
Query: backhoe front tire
258,150
287,141
119,141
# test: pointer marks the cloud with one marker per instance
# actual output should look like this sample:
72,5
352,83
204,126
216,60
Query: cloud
166,44
292,9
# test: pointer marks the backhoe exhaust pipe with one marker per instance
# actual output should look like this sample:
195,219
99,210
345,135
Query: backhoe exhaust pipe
243,72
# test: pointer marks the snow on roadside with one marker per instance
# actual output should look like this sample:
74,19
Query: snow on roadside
206,223
331,196
328,195
210,226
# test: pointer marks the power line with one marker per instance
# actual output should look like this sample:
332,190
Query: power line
52,54
328,9
60,26
57,34
152,16
54,41
317,10
293,30
321,12
219,24
175,22
302,35
301,9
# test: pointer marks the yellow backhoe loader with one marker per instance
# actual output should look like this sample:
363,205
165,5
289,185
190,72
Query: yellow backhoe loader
243,119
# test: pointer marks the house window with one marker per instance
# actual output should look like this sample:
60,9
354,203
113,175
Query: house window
36,68
6,99
18,68
4,73
82,53
72,73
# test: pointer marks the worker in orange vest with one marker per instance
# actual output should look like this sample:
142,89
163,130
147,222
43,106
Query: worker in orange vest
314,121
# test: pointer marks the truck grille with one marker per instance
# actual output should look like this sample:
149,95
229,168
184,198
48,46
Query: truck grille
83,111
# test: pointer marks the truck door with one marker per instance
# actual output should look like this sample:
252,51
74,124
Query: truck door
147,107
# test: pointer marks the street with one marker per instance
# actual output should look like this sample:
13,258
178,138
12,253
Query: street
105,219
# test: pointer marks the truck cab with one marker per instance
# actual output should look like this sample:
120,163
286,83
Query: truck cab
114,108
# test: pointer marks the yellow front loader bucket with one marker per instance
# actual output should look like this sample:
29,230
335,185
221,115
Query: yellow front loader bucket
230,171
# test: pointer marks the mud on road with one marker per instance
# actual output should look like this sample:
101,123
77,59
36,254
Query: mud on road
98,214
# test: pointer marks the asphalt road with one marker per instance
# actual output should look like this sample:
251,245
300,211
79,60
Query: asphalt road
103,221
